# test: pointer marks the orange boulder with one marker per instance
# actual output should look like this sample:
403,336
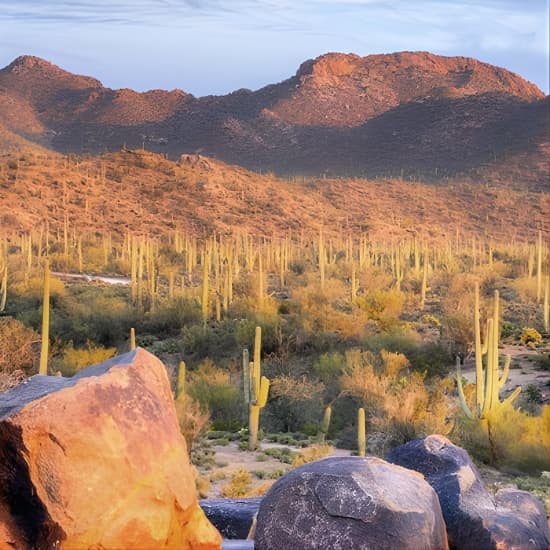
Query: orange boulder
98,461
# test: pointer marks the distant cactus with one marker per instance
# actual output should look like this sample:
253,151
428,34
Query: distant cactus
361,435
4,289
326,423
43,369
132,338
180,393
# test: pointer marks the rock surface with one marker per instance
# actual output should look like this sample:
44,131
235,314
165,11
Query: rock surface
347,503
232,517
97,461
475,521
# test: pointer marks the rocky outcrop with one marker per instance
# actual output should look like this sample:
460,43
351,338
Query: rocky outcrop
475,520
97,461
350,503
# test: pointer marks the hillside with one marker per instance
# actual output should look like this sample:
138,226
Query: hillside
410,114
145,193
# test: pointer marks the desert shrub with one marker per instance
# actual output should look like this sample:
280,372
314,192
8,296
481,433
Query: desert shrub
309,454
282,454
431,359
394,400
239,486
245,330
171,317
203,341
202,483
382,306
18,351
213,388
530,337
294,402
520,442
74,360
526,288
329,367
191,419
531,399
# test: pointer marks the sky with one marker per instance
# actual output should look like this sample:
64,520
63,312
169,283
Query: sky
218,46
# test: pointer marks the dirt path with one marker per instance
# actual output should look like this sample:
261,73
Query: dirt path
229,459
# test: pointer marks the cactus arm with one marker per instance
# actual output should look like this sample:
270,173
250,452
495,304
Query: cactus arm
496,336
246,376
264,391
480,389
461,396
489,371
506,370
510,399
326,421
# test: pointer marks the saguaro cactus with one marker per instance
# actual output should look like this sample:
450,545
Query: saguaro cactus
326,423
43,369
4,289
256,389
488,383
180,393
132,338
361,435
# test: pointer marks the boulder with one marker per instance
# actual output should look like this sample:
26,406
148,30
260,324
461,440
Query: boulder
348,503
232,517
98,461
475,520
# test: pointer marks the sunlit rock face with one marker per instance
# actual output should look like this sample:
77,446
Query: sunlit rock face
475,520
97,461
348,503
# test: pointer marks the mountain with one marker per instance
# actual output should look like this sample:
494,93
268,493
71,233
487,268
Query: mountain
410,114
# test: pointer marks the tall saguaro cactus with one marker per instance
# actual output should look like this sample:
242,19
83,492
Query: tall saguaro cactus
43,369
361,432
488,380
256,389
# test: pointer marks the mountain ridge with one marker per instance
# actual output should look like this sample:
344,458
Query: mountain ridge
340,114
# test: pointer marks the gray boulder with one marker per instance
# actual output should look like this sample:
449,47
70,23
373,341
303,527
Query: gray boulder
232,517
475,520
350,503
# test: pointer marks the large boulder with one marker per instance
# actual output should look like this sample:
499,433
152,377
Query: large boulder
233,517
475,520
98,461
350,503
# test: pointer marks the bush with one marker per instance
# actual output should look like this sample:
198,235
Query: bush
192,420
74,360
17,347
530,337
213,388
309,454
239,486
520,442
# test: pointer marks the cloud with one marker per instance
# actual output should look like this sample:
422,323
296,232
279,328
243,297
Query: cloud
241,39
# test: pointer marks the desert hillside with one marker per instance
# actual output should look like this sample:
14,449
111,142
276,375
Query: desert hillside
147,194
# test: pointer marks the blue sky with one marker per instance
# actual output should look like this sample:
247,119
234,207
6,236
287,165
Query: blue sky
217,46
